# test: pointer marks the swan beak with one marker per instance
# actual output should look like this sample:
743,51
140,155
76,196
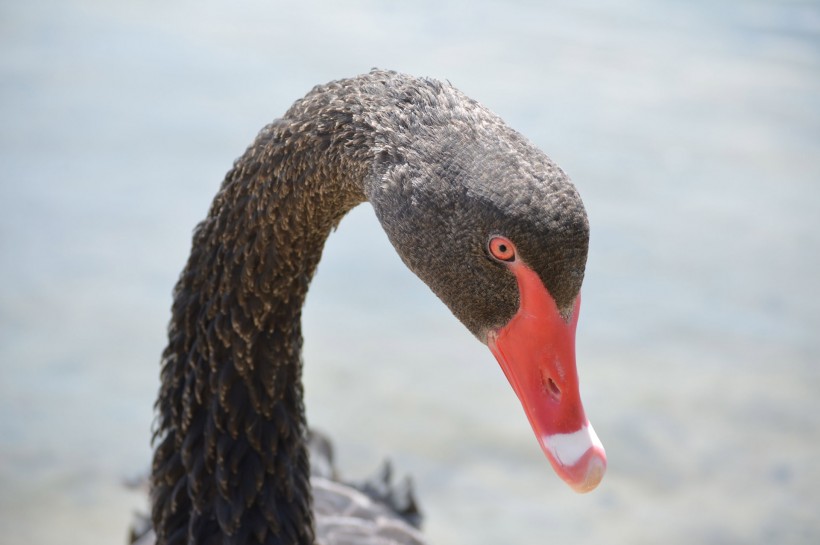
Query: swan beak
536,350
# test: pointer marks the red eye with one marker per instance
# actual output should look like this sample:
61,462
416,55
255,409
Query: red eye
502,249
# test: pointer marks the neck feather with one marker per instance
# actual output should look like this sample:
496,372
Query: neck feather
231,464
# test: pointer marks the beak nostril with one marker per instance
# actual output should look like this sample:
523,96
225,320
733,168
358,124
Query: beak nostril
555,391
552,388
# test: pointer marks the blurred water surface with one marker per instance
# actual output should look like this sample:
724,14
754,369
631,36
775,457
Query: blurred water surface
691,128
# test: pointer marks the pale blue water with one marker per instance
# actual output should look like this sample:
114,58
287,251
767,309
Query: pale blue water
692,130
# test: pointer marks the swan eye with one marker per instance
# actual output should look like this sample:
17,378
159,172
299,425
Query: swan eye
501,249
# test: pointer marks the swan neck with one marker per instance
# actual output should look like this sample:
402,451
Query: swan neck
231,464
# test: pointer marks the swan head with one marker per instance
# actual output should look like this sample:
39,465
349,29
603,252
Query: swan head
500,234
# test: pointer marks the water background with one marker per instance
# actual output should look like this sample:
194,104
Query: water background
691,128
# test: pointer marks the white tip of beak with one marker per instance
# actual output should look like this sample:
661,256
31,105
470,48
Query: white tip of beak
578,458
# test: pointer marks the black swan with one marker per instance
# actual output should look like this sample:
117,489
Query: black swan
485,219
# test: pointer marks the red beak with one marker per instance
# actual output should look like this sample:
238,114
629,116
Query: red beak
536,350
